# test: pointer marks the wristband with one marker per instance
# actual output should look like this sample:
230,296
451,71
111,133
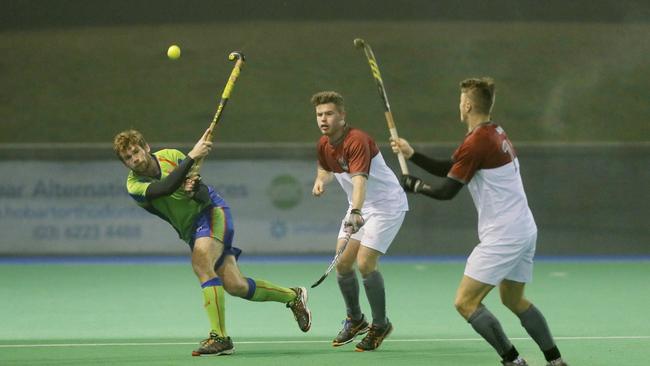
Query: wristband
355,211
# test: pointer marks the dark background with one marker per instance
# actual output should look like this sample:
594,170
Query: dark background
43,13
572,92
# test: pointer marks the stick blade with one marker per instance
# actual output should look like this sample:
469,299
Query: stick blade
320,280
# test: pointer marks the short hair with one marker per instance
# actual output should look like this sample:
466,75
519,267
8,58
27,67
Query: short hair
481,92
126,138
325,97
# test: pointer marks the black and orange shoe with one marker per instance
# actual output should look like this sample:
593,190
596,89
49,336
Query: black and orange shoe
375,336
557,362
351,329
215,345
518,362
300,310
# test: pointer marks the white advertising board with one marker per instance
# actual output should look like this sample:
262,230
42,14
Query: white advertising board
82,208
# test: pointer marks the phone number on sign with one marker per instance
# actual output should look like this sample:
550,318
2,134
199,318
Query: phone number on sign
86,232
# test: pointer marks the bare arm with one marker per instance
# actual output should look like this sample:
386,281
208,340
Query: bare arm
323,177
355,221
358,191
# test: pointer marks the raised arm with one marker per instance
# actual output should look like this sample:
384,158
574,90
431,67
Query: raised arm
170,183
175,179
447,190
437,167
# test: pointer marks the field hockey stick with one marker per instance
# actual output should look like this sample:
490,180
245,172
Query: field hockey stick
334,261
374,68
234,74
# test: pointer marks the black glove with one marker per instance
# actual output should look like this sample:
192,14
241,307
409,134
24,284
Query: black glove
354,222
202,194
197,183
411,183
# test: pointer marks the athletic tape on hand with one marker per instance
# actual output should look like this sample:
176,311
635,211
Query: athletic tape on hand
418,185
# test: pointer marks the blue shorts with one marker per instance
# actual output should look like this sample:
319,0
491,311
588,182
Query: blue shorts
216,222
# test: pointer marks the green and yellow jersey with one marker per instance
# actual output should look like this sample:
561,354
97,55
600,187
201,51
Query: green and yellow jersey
179,209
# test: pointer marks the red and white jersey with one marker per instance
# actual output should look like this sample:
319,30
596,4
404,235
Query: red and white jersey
358,154
486,161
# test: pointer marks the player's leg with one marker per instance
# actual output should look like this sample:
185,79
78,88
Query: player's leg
251,289
261,290
379,231
210,244
512,296
211,240
205,252
355,322
486,267
347,278
468,303
222,230
373,283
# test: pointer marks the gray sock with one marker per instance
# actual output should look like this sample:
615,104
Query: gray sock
487,325
349,286
374,285
533,321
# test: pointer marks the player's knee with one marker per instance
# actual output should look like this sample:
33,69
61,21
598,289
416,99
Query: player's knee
366,268
344,266
464,307
509,303
516,305
366,265
459,305
235,287
201,269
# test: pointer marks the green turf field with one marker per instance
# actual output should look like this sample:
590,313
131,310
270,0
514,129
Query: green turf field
151,314
556,81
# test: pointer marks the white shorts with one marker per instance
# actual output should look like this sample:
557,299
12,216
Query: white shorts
493,262
379,230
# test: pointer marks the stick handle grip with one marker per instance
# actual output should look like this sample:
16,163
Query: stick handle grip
393,133
225,95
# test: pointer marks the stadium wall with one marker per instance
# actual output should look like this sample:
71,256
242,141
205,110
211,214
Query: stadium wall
44,13
587,200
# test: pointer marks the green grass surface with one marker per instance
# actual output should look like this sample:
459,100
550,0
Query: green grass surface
152,314
555,81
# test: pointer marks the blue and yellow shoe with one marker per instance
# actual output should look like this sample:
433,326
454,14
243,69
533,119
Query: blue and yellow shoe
215,345
350,330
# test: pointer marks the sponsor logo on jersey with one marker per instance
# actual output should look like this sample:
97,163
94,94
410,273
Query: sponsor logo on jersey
343,164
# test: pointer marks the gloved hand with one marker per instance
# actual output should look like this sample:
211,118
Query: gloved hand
411,183
355,221
191,184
